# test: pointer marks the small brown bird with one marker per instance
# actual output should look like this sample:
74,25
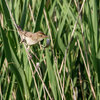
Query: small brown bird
31,38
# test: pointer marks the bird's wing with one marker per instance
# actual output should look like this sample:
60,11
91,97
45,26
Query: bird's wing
28,34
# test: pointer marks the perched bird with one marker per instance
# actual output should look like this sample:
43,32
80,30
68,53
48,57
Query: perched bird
31,38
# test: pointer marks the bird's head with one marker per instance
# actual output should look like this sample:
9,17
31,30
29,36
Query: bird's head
41,35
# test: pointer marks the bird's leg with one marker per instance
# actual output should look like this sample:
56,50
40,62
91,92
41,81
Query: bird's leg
22,40
29,54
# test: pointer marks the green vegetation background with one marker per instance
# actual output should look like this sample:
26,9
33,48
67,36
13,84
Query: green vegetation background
69,68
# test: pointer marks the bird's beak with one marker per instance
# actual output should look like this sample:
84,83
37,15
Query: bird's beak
45,36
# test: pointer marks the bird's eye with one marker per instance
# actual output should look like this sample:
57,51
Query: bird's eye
40,35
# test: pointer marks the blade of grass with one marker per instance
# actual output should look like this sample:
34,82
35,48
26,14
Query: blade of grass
38,21
24,13
51,75
15,66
